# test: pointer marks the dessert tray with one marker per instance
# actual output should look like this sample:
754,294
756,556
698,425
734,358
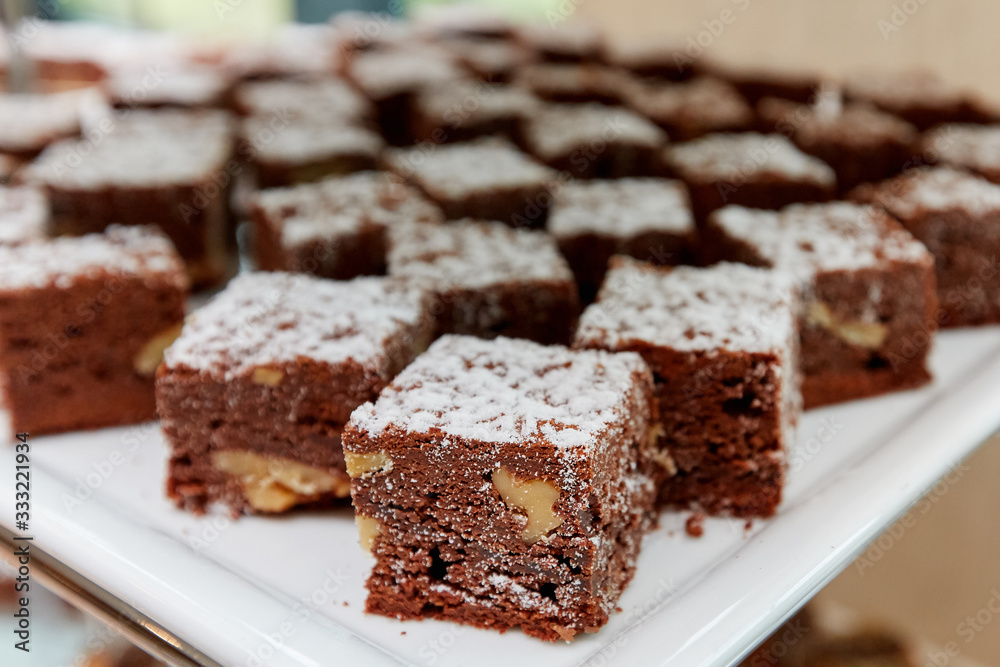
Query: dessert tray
290,590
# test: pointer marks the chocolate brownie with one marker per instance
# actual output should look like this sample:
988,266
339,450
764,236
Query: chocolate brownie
748,169
574,82
325,98
173,169
30,122
490,280
504,484
957,216
488,179
68,55
869,318
566,42
920,98
290,51
461,21
975,148
647,218
756,82
174,86
860,143
659,58
594,140
492,60
83,324
722,343
24,215
335,228
254,394
464,111
692,109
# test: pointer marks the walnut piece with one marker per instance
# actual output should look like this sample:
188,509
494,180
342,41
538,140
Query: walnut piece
365,465
535,497
148,359
269,377
273,484
870,335
368,530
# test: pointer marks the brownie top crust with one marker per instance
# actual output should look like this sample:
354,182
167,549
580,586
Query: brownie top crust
621,208
830,120
325,98
900,90
148,148
976,147
382,74
186,86
473,254
29,122
481,102
727,156
310,139
705,101
807,238
727,306
343,205
507,391
556,129
267,318
24,214
464,169
142,252
937,189
292,49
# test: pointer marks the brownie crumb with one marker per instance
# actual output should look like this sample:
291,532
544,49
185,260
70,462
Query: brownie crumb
748,525
694,526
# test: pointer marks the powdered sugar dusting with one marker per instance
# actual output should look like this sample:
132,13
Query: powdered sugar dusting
557,129
939,189
312,139
24,214
506,391
621,208
29,122
328,98
728,156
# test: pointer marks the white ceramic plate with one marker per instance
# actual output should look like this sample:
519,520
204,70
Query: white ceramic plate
290,591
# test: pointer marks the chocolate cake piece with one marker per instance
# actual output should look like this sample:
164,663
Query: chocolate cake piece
172,169
756,82
488,179
335,228
254,394
491,60
660,58
871,304
174,86
974,148
504,484
722,343
490,280
290,51
30,122
860,143
920,98
957,216
574,82
24,215
462,21
466,111
594,140
748,169
83,325
566,42
692,109
646,218
329,99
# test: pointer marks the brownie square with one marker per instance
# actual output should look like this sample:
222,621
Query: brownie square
974,148
868,286
490,280
692,109
957,216
594,140
749,169
289,51
462,21
24,215
335,228
488,179
574,83
646,218
308,149
566,42
254,394
860,143
172,169
30,122
658,58
503,484
920,98
83,325
326,98
174,86
722,343
756,82
492,60
466,111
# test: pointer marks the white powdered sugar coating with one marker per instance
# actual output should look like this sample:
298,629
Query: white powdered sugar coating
898,90
704,101
180,85
272,318
939,189
338,206
975,147
29,122
144,149
558,129
382,74
24,214
727,306
140,252
621,208
806,238
464,169
507,391
469,255
728,156
478,102
310,140
328,99
292,49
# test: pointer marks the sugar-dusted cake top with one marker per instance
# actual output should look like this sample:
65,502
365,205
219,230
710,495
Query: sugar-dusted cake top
29,122
557,129
829,120
900,90
704,102
327,98
177,84
381,74
466,101
293,49
471,254
727,306
569,40
621,208
508,391
490,57
146,148
142,252
273,318
463,169
806,238
934,190
24,214
310,139
727,156
336,206
976,147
